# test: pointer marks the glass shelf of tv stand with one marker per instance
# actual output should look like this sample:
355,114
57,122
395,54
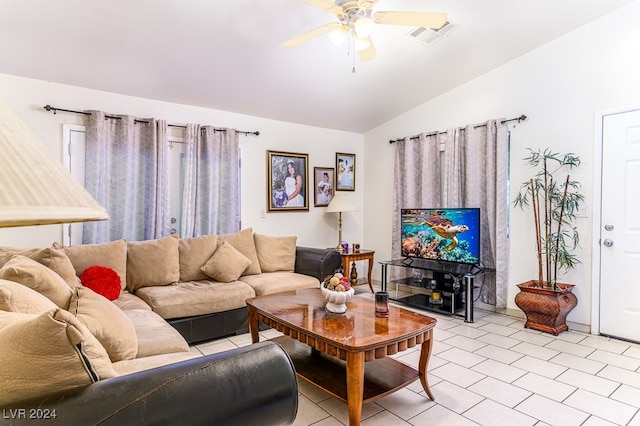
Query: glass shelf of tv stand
454,281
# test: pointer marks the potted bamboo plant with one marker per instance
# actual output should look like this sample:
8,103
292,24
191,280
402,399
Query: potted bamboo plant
554,201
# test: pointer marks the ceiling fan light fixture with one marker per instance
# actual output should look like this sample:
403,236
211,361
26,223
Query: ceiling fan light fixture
338,35
363,27
356,19
361,43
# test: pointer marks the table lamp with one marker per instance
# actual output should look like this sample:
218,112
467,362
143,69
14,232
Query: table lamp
340,203
34,188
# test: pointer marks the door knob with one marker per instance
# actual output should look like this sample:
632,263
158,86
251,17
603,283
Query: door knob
608,243
608,227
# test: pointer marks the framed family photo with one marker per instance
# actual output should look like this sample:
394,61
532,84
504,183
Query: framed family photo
346,172
287,181
324,179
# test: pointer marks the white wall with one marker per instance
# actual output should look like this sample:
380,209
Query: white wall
559,87
26,97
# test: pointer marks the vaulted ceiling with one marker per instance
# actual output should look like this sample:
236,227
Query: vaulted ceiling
228,54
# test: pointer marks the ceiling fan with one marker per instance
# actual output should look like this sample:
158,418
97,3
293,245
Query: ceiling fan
356,18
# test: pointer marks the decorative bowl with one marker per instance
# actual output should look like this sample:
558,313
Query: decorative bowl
336,300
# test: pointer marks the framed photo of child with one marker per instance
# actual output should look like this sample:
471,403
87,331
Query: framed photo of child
346,172
324,179
287,181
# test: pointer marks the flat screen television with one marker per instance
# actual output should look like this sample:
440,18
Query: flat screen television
442,234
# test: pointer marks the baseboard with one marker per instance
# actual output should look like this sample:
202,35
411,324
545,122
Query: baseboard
516,313
576,326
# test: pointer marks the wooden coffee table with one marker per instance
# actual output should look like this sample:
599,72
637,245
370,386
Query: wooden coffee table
346,355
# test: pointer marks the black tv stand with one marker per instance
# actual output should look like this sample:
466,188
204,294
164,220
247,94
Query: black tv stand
454,281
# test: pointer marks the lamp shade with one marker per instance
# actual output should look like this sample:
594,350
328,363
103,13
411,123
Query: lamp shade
340,203
34,188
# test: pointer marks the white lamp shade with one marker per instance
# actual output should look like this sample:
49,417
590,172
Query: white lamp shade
338,35
340,203
34,188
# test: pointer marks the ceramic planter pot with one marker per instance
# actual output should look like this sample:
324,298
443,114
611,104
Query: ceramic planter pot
546,309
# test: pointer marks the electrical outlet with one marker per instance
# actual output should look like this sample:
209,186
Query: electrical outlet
583,211
263,214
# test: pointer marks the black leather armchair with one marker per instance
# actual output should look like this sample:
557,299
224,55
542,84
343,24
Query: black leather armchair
252,385
317,262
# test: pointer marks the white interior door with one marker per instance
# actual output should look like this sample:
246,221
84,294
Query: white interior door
620,226
73,138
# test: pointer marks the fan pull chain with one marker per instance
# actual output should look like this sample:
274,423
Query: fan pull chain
352,51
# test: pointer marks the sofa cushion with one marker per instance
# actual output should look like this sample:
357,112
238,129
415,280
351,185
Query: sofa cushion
155,336
104,281
152,361
186,299
276,253
53,259
243,242
193,253
275,282
37,277
112,255
113,329
152,262
47,353
226,264
16,297
127,301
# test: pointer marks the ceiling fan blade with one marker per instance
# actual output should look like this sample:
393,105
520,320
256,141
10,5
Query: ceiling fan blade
367,53
327,5
416,19
303,38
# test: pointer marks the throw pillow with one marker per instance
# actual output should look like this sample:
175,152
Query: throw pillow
276,253
193,253
104,281
16,297
53,259
106,322
37,277
243,242
226,264
47,353
152,262
112,255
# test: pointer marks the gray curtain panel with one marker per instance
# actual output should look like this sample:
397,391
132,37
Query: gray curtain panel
211,195
126,171
416,179
470,172
484,154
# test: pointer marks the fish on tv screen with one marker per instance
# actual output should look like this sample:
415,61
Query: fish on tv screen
446,234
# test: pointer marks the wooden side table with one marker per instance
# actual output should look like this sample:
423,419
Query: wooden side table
350,258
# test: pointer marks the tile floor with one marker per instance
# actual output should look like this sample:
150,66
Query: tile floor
494,372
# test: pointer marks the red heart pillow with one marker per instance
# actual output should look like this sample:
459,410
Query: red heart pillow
102,280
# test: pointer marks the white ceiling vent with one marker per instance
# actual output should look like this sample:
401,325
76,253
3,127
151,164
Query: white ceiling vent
431,35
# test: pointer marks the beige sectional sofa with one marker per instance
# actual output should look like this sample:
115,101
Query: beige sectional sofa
57,333
199,285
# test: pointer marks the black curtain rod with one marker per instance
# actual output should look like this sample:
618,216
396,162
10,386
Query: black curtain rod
413,138
55,110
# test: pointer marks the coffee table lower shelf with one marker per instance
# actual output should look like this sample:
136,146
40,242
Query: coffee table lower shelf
381,376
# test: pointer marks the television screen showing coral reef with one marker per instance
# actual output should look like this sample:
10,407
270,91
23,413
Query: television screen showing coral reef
452,235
